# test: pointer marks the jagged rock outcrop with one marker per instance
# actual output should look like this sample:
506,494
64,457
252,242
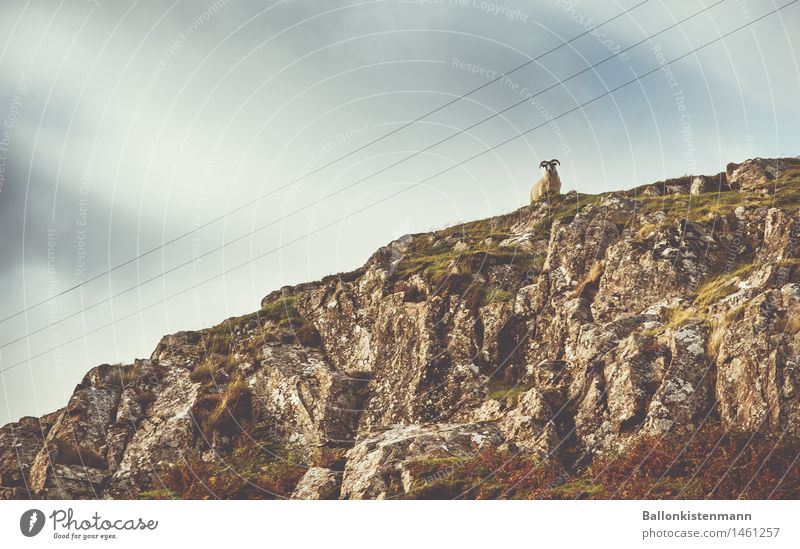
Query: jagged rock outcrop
561,333
759,174
20,444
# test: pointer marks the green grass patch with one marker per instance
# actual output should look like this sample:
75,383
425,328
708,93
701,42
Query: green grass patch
563,207
652,332
704,206
506,392
278,320
282,311
492,294
580,488
494,227
161,493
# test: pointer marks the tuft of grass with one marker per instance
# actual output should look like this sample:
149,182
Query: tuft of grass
283,322
230,363
279,319
207,370
282,311
124,375
494,227
789,176
717,329
233,405
493,294
790,324
677,318
590,282
506,392
228,326
709,463
486,473
581,488
645,230
437,267
722,286
448,270
218,341
654,331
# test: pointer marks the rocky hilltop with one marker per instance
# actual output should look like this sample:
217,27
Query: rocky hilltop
631,344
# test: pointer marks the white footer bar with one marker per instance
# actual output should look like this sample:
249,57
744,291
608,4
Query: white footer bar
406,524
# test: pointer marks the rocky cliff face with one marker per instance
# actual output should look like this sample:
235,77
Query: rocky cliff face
520,356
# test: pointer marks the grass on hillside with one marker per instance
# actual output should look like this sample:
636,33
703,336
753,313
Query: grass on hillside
704,206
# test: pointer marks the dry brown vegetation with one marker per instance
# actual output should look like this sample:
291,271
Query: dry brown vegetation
707,464
590,282
249,472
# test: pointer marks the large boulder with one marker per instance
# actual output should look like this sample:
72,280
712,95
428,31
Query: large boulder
318,483
378,467
706,184
299,398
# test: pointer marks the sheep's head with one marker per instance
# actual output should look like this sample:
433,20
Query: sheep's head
549,166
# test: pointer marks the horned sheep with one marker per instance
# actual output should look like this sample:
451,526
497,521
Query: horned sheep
549,185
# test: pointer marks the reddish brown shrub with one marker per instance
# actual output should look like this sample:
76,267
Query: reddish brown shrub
249,472
709,463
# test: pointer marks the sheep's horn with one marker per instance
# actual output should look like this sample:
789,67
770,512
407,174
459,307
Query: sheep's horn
555,161
543,164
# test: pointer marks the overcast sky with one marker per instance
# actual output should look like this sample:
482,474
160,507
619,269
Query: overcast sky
126,124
